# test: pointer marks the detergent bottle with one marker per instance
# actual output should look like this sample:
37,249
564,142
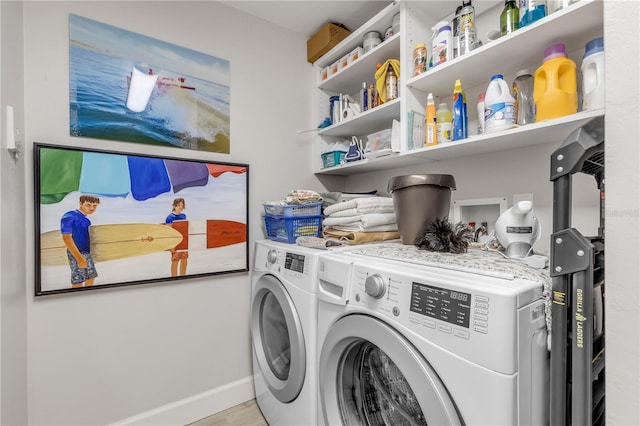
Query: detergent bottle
593,75
499,106
430,122
531,11
555,90
459,120
443,123
442,43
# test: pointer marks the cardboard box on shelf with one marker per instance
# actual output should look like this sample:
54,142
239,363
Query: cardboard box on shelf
322,41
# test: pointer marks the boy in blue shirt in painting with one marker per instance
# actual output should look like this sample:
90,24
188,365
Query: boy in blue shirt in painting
178,257
74,227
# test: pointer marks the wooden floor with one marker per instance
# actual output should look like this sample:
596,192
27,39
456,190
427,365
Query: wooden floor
245,414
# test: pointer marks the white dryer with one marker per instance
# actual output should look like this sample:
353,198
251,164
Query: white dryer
408,344
284,310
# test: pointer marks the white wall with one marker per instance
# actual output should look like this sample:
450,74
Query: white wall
13,292
106,355
622,58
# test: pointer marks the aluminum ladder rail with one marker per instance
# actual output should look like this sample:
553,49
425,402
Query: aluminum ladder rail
577,268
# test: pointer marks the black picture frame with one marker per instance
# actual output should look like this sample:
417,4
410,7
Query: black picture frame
136,232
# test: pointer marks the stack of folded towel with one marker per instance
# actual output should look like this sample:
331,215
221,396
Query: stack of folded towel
360,220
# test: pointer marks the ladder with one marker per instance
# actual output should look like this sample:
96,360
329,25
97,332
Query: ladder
577,373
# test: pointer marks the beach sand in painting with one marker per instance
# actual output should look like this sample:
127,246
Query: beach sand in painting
152,266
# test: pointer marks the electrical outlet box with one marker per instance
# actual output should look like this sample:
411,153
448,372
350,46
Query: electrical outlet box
480,210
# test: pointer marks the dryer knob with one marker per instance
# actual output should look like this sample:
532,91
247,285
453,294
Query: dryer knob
272,256
374,286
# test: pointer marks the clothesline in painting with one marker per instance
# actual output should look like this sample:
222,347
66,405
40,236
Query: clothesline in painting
117,175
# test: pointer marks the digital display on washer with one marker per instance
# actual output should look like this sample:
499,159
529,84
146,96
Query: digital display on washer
440,303
294,262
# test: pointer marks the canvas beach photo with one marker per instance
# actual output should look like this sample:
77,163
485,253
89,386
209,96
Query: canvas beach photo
107,219
129,87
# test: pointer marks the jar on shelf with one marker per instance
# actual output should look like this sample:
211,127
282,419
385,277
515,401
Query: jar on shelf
370,40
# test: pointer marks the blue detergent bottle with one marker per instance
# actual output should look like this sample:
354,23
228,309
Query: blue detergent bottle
531,11
459,119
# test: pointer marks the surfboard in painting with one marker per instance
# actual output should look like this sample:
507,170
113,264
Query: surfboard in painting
119,241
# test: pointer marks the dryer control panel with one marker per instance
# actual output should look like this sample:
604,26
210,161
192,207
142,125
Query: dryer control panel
298,265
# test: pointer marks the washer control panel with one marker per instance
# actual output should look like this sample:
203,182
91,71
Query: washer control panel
441,303
472,315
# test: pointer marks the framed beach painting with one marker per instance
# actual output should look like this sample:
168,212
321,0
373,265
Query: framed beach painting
129,87
107,219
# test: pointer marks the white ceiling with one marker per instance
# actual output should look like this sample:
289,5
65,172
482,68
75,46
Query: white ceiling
305,17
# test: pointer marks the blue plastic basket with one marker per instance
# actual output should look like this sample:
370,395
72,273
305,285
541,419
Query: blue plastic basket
287,229
308,209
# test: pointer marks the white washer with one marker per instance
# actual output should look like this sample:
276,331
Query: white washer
403,343
284,308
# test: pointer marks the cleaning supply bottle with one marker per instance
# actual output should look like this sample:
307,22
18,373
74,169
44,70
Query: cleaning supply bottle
499,106
443,123
442,43
593,75
391,84
522,91
459,120
509,17
481,98
467,28
430,122
364,97
555,91
531,11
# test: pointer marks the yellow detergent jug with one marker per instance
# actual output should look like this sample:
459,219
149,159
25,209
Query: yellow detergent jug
555,87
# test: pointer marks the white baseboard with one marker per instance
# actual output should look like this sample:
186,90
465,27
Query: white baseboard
196,407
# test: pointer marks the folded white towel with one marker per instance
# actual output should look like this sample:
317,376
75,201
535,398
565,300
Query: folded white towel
363,205
331,221
359,228
361,222
362,210
375,219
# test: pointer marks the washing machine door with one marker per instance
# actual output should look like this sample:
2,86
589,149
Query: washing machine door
278,341
371,375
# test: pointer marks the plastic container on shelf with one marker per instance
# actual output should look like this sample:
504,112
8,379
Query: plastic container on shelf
343,62
531,11
459,121
555,91
419,59
378,141
466,31
481,98
442,43
333,158
430,122
395,23
443,123
370,40
522,91
556,5
509,17
499,106
356,54
593,75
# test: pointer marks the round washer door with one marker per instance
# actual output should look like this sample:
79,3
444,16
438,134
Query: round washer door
371,375
278,341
